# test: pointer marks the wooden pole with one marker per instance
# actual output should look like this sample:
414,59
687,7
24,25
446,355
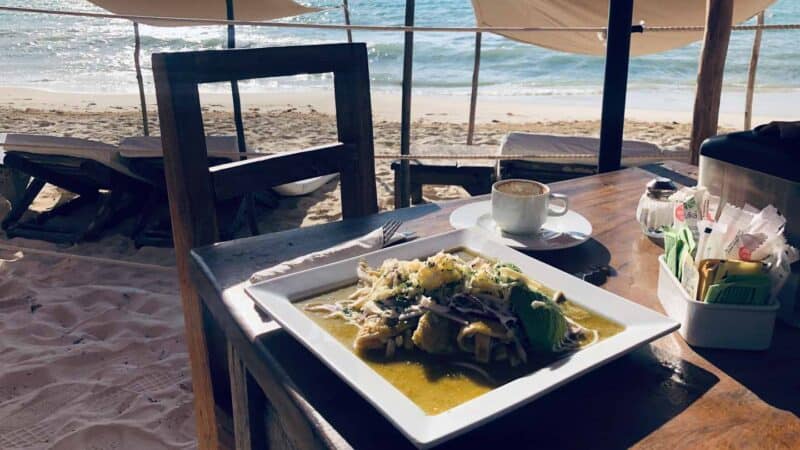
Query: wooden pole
347,21
404,177
615,84
237,105
473,100
137,47
719,18
248,204
194,223
751,75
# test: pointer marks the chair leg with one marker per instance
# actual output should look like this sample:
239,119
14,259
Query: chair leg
416,194
252,221
396,191
110,207
18,209
151,205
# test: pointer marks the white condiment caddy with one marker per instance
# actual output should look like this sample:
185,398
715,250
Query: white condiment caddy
715,325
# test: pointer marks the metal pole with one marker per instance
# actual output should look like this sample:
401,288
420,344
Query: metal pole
137,46
751,75
615,85
403,177
473,100
249,202
347,21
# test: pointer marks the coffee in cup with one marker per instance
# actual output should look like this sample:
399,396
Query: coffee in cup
522,206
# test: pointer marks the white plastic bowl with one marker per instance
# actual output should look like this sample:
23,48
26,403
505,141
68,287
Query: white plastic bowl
715,325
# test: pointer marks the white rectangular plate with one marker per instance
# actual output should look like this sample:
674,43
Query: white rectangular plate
275,296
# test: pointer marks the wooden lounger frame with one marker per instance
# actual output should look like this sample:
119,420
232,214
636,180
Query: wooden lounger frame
193,188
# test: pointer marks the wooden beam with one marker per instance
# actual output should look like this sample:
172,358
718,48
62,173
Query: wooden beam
256,174
404,177
248,405
473,99
719,18
137,49
615,84
354,129
346,8
215,66
751,75
194,223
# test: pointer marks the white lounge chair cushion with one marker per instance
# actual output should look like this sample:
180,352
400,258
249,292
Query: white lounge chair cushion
150,147
571,149
37,144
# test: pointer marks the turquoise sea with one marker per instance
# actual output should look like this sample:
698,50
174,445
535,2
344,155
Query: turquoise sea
82,54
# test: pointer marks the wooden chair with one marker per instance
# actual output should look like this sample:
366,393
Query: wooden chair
193,188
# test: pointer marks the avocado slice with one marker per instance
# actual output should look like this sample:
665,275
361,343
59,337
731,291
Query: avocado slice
542,319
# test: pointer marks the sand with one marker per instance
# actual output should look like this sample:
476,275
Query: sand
92,352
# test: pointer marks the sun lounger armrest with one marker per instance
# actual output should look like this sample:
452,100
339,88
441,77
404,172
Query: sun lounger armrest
240,177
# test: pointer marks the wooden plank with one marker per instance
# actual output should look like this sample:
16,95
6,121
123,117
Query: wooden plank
248,405
751,74
615,84
213,66
354,128
194,221
719,17
255,174
298,420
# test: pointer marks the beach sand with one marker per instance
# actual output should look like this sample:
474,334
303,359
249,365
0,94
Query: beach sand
92,352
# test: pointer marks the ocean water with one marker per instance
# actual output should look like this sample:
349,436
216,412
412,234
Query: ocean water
82,54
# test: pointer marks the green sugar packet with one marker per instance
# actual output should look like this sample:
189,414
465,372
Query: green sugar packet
741,290
672,247
679,244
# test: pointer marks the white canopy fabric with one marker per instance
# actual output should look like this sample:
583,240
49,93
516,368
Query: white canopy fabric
594,13
203,9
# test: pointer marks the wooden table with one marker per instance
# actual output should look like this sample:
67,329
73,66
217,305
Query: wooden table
664,395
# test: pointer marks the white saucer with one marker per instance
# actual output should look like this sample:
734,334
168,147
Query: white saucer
565,231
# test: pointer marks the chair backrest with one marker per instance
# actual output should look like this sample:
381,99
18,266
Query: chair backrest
194,188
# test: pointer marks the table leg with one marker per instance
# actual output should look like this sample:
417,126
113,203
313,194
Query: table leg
248,405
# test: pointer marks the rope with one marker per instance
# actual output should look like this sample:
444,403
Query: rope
399,28
95,259
678,28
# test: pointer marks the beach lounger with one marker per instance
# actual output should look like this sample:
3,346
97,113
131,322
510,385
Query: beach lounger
556,158
474,175
128,181
549,158
90,169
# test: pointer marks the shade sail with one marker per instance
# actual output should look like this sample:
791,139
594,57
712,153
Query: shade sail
594,13
203,9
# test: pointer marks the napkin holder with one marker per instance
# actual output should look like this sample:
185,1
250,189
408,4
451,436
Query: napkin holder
760,168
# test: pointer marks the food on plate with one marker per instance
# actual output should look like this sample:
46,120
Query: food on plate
469,309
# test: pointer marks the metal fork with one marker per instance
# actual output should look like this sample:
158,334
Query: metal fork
389,229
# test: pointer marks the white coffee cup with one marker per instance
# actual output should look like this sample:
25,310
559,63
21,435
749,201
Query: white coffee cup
522,206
